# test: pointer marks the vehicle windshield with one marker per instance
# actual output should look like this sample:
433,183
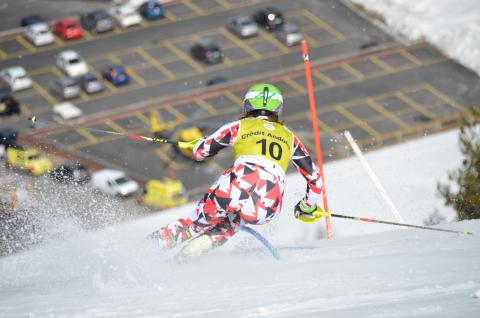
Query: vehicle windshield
290,28
71,85
74,61
34,157
121,180
43,32
71,26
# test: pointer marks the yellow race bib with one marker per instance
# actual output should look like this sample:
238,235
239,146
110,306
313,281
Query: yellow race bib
260,137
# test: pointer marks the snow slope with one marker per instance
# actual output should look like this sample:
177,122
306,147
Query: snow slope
359,273
451,26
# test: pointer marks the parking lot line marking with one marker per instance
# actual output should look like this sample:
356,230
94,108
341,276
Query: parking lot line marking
170,16
323,25
3,55
192,6
297,87
358,122
135,76
43,92
23,42
444,97
324,78
382,64
58,41
146,56
87,35
207,106
172,47
271,39
86,134
110,123
359,75
112,57
143,118
410,57
225,4
56,72
234,98
414,104
161,153
181,117
379,108
84,96
240,43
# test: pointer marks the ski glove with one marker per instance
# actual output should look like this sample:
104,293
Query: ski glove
188,144
308,213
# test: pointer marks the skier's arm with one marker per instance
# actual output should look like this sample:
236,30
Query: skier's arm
307,168
211,145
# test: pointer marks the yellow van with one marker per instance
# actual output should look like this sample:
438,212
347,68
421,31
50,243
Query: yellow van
163,193
28,159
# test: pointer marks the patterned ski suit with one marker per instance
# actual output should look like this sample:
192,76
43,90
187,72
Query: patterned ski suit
251,191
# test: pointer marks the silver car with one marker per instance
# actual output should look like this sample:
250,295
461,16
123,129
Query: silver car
289,34
242,26
65,88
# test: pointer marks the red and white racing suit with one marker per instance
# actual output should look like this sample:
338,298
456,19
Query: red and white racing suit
250,191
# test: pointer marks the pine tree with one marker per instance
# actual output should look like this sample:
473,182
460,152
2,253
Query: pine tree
466,199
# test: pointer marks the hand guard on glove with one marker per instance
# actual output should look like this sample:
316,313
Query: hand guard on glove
308,213
189,144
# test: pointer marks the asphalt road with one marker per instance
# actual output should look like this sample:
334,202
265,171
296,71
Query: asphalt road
383,95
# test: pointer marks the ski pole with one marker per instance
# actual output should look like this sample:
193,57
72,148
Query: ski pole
179,144
262,240
323,213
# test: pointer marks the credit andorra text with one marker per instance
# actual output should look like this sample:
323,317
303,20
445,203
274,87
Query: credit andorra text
262,133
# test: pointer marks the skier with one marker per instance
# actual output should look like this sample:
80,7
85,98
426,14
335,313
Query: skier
250,191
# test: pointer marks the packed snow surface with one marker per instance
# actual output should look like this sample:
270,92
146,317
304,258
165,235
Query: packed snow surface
361,272
452,26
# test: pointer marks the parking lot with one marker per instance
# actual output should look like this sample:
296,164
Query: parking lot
156,54
385,94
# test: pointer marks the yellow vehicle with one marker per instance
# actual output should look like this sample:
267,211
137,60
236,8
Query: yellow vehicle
28,159
157,128
187,135
163,193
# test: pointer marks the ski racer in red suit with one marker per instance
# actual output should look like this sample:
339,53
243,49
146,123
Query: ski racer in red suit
251,190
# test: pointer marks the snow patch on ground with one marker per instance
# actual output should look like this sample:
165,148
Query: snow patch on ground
451,26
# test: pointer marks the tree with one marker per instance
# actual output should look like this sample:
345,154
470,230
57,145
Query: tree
466,198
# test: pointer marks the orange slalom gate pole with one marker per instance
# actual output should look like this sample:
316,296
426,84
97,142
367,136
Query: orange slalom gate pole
313,113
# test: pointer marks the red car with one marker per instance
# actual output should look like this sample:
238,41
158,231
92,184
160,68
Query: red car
68,29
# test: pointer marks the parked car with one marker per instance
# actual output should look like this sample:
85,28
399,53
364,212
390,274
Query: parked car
97,21
71,172
125,16
242,26
90,83
152,10
207,51
65,88
8,137
66,112
68,29
27,159
31,19
116,75
9,106
163,194
289,34
16,77
39,34
114,182
269,18
71,63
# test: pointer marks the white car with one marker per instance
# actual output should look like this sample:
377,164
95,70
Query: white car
290,34
39,34
71,63
16,77
114,182
66,112
125,15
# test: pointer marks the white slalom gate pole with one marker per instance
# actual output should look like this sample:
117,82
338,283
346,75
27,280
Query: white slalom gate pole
373,177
